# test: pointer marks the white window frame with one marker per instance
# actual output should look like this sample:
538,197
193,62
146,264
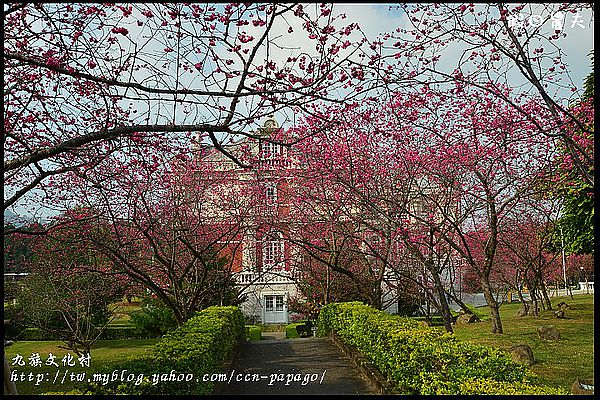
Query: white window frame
271,153
272,255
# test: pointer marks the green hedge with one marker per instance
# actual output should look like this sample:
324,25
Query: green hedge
423,360
490,386
200,346
253,332
291,332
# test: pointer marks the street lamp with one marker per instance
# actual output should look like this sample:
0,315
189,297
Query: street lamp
564,262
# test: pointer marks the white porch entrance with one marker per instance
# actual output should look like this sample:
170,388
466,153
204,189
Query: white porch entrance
275,310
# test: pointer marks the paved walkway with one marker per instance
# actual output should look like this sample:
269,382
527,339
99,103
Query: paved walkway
293,366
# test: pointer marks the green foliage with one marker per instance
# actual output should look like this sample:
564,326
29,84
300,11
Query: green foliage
575,229
291,332
490,386
154,319
199,346
13,313
11,289
253,332
71,306
18,249
67,392
416,358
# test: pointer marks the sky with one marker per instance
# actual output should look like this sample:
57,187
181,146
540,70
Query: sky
376,19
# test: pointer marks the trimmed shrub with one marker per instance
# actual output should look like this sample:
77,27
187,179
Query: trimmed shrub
419,359
490,386
67,392
200,346
253,332
291,332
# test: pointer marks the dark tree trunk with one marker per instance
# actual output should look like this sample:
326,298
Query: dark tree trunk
444,308
534,301
545,297
493,304
522,299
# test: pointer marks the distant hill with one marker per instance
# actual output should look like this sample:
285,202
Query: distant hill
13,219
10,217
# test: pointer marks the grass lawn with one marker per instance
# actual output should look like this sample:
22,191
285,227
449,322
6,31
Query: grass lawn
558,363
104,352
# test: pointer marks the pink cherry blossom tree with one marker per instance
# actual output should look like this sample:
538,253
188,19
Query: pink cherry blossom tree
490,158
175,229
524,252
85,81
463,156
491,46
364,175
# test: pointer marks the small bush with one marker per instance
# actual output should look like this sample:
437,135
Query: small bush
154,319
419,359
253,332
14,330
291,332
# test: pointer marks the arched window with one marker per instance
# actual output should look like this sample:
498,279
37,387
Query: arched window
273,251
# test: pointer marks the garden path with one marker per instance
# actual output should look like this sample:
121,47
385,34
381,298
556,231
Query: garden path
307,365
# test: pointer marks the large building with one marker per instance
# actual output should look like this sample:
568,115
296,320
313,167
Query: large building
263,259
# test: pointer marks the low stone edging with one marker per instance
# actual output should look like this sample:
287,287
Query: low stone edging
369,371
